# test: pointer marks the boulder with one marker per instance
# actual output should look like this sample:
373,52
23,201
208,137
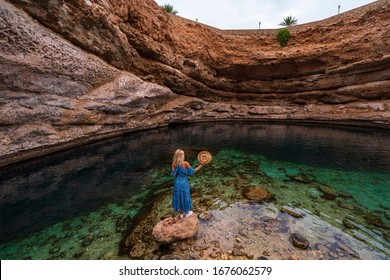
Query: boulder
170,230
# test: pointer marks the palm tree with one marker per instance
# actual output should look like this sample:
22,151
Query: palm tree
169,9
289,21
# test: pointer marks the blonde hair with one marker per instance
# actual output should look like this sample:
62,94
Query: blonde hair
178,158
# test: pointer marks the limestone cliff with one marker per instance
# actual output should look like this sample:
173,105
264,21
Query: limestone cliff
80,70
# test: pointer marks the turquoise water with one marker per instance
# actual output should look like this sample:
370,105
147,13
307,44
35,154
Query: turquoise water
81,203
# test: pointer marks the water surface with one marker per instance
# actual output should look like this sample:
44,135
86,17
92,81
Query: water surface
78,204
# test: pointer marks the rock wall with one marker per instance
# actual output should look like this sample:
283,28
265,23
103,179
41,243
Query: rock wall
80,70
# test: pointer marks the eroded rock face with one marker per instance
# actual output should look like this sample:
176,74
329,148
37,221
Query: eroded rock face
76,71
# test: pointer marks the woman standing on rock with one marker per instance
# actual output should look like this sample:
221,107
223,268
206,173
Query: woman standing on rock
181,199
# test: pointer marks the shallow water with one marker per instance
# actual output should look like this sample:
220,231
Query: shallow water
78,204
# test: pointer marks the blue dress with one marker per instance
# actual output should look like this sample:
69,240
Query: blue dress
181,198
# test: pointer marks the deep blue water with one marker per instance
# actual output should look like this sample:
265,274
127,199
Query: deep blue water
39,193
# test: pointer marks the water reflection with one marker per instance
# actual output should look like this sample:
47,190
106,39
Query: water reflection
48,189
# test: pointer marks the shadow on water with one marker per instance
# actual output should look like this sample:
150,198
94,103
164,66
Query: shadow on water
40,192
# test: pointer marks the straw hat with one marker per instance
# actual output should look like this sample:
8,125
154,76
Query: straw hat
205,157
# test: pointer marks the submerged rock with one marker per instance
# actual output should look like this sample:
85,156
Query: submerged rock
291,212
299,241
376,221
205,216
314,193
122,223
172,229
258,193
301,178
345,195
328,192
347,223
348,250
88,240
386,207
54,250
344,205
79,253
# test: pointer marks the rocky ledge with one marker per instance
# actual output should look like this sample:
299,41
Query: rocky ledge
78,71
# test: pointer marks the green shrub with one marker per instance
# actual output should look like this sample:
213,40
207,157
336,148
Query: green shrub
283,36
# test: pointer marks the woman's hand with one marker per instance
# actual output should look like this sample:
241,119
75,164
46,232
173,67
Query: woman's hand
199,167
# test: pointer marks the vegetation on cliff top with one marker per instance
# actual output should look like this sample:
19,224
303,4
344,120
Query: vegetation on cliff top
289,21
169,8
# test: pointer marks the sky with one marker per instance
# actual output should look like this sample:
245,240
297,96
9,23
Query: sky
246,14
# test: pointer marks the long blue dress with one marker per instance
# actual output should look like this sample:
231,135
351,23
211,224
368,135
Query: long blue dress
181,198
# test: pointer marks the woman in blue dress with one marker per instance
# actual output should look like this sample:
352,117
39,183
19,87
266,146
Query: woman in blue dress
181,199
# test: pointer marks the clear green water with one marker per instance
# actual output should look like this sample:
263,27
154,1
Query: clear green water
79,204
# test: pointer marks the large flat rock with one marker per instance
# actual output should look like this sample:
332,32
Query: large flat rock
171,229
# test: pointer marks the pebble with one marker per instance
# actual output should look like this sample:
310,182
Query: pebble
193,256
201,247
238,253
171,257
333,255
250,256
205,216
238,240
184,247
293,257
